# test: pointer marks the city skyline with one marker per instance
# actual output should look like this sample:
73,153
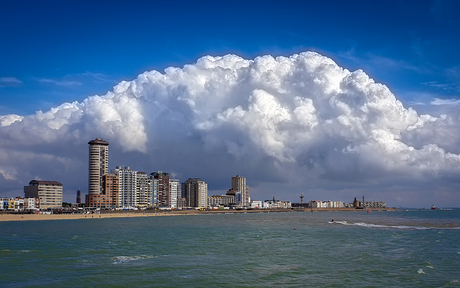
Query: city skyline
332,100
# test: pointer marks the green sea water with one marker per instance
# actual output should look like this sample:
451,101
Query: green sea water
296,249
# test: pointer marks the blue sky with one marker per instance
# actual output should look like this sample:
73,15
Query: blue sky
58,51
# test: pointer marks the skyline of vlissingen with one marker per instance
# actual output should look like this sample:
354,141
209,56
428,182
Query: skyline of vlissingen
129,189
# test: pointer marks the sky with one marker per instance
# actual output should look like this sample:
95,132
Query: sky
332,99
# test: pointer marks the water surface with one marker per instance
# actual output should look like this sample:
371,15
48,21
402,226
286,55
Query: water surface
297,249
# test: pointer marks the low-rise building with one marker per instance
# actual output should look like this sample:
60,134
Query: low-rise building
374,204
316,204
31,203
181,203
276,204
256,204
221,200
49,193
334,204
5,203
18,203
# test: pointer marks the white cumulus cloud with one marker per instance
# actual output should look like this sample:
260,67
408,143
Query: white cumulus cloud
299,117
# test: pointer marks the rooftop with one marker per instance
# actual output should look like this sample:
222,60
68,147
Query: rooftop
98,141
41,182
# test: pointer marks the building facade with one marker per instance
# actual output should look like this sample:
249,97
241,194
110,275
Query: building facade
109,198
98,165
239,186
221,200
127,187
163,188
195,191
19,204
49,193
145,190
257,204
374,204
174,192
181,203
78,196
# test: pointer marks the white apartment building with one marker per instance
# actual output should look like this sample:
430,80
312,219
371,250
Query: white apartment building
127,194
174,192
276,204
256,204
334,204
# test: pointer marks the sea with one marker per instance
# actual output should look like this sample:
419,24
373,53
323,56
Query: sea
415,248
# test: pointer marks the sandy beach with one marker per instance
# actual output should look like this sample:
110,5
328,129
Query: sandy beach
104,214
33,217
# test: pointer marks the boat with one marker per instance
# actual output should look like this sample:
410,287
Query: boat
433,207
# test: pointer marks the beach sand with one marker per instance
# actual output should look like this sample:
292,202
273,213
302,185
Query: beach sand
31,217
110,214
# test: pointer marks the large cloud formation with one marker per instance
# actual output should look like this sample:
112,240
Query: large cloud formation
299,122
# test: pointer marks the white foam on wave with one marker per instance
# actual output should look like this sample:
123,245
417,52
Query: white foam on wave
125,259
390,226
370,225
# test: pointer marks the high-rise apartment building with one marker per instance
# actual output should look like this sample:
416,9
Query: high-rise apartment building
98,165
127,193
174,192
101,191
109,197
195,191
239,185
155,190
145,190
163,188
49,193
111,190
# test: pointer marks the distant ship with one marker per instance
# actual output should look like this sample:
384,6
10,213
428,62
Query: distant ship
433,207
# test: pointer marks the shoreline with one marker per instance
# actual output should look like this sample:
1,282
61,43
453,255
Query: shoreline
4,217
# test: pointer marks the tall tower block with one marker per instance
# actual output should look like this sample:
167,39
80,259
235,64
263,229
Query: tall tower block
98,165
163,188
78,196
196,192
239,185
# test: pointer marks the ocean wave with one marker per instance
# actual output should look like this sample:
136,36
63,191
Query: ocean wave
126,259
370,225
15,251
